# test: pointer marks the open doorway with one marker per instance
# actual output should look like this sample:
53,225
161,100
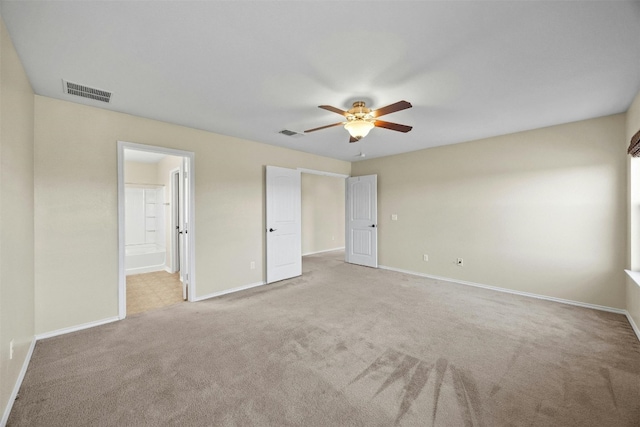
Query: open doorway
284,234
155,227
323,213
284,224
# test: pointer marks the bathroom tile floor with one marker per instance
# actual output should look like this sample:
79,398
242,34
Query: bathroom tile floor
149,291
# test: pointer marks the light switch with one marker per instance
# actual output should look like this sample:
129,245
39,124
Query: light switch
394,217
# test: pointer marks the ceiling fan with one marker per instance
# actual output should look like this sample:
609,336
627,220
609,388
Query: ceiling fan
360,119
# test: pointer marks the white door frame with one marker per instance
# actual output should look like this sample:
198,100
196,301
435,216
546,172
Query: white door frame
317,172
313,172
175,247
190,156
335,175
346,206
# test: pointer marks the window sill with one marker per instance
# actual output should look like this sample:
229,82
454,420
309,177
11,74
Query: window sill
635,276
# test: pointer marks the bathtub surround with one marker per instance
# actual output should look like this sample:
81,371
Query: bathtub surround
144,258
157,175
326,349
144,215
145,239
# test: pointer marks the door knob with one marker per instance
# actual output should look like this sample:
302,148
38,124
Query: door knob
271,230
373,225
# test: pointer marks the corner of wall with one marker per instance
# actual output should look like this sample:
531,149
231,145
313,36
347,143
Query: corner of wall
17,286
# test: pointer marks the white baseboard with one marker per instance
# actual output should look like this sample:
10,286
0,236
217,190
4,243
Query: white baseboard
229,291
142,270
76,328
511,291
18,384
323,251
633,324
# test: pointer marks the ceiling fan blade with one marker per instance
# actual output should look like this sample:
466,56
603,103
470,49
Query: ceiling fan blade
398,106
352,139
333,109
323,127
392,126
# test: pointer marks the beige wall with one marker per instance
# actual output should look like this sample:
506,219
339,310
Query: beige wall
322,213
633,262
16,216
542,211
141,173
76,206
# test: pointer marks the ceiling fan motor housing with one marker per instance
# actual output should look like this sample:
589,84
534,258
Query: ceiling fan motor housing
359,112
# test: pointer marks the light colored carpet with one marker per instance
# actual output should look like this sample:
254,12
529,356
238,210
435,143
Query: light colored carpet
342,345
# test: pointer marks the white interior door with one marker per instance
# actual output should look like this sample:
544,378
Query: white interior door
361,245
184,228
175,221
284,224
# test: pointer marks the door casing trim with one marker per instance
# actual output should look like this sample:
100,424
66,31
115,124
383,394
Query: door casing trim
121,146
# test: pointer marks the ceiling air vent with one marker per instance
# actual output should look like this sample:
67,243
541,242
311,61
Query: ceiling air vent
86,91
291,133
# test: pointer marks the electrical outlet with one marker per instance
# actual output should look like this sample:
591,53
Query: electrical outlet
459,262
252,265
11,350
425,257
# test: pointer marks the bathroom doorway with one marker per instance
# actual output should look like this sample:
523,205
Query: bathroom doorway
155,227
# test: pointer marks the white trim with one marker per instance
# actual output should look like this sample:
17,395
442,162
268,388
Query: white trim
633,324
230,291
323,251
317,172
511,291
76,328
142,270
121,146
173,219
634,275
122,275
18,384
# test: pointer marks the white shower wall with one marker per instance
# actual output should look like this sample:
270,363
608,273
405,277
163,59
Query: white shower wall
144,216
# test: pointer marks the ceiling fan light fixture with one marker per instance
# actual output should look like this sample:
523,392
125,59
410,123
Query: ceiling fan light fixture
358,128
360,119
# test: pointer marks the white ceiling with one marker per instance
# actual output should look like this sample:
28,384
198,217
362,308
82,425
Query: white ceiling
250,69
